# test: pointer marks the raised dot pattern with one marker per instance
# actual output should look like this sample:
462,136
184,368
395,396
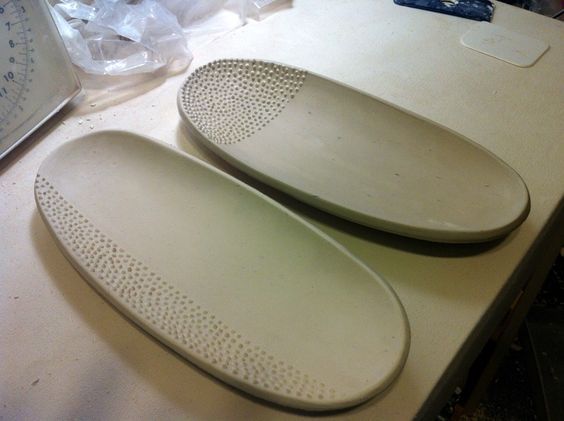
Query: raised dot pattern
169,310
230,100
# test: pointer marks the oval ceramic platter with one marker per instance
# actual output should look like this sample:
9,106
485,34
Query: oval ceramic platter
220,273
351,154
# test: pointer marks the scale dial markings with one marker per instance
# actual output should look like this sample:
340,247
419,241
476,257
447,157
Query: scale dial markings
16,60
36,75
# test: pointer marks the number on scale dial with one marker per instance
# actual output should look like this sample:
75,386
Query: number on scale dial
16,60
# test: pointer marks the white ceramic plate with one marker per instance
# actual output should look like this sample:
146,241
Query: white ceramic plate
226,277
351,154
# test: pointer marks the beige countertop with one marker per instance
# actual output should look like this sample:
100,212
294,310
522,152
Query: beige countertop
66,353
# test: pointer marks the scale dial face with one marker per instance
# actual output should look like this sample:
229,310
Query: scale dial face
36,76
16,62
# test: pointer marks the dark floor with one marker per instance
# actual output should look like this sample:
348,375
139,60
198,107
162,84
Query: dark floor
549,8
529,384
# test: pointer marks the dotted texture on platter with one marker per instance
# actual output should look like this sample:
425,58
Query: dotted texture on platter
168,310
230,100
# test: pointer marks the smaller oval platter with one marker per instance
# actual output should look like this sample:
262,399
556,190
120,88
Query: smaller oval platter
225,276
351,154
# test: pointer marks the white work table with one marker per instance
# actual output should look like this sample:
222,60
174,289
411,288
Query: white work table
66,353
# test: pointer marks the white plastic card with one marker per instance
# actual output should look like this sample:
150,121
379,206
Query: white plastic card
509,46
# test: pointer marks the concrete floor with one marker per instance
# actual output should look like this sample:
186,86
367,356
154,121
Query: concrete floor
543,7
529,384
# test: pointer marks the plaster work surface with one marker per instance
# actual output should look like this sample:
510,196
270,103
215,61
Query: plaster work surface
67,353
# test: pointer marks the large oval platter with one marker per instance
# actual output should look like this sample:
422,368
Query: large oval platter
220,273
351,154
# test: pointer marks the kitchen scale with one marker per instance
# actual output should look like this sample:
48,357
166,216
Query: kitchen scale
36,74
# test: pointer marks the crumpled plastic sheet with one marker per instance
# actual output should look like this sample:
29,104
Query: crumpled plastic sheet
126,37
189,12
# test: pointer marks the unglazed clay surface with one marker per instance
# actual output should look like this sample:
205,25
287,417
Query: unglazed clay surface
220,273
351,154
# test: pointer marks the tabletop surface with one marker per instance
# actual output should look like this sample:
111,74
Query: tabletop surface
66,353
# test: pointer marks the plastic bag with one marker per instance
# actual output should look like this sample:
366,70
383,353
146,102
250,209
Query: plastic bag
260,9
119,37
188,12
